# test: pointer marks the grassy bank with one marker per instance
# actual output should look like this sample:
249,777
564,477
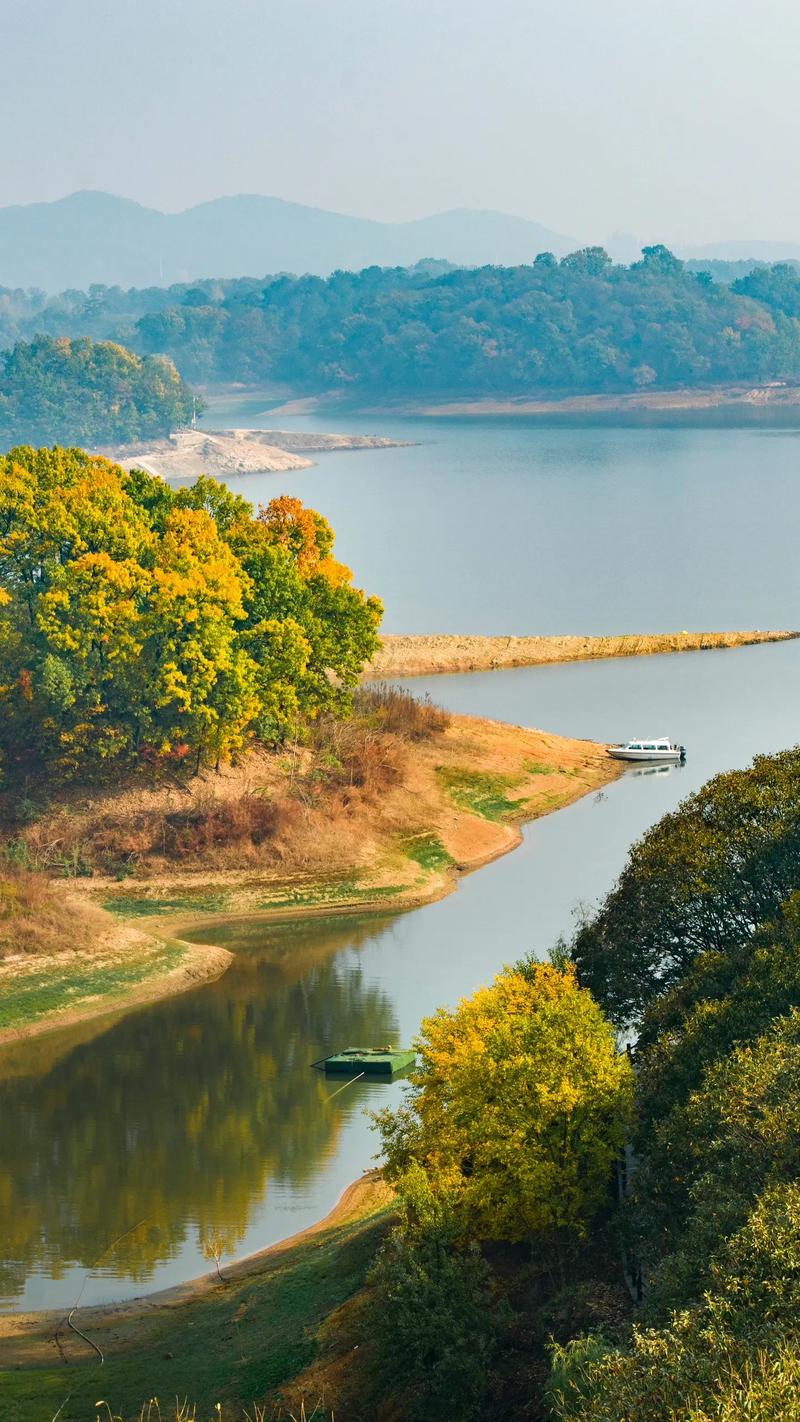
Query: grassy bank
123,968
380,813
426,655
229,1343
451,801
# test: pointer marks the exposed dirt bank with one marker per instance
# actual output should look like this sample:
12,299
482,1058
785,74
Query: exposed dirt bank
42,1338
423,656
729,404
221,453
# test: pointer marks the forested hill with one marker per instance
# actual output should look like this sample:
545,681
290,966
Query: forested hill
84,392
580,324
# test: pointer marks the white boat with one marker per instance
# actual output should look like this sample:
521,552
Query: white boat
653,748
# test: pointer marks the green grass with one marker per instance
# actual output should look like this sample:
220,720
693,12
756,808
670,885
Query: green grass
538,767
32,995
480,792
233,1346
338,891
428,852
130,906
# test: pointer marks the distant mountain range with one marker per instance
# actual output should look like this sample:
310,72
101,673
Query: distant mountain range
95,237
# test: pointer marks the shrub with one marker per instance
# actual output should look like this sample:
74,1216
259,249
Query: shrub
435,1321
395,709
36,918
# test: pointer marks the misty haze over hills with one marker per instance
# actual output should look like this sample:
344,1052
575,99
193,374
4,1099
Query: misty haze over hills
94,237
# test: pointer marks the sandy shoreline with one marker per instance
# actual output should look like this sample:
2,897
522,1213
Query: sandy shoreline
426,655
188,454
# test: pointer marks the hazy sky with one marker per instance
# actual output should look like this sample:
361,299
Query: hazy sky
672,119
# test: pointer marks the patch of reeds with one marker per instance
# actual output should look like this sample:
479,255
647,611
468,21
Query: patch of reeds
398,711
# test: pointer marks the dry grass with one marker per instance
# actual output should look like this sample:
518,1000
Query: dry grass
423,655
36,918
296,807
400,713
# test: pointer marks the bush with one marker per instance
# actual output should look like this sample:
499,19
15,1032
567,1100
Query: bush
397,710
35,918
435,1321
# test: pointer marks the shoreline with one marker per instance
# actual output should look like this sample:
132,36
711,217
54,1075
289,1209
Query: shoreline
468,791
733,405
408,655
23,1336
198,963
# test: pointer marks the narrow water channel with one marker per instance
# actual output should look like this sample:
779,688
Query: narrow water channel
201,1114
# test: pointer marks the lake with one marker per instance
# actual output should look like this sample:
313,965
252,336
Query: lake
507,526
202,1114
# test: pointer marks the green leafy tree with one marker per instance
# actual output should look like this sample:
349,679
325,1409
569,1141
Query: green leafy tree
701,880
733,1355
137,622
77,391
434,1317
724,1000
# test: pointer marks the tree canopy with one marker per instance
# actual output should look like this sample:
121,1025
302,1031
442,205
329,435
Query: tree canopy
702,879
518,1107
55,391
580,324
138,623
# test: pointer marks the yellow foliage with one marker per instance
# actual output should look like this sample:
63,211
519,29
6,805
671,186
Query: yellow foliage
520,1106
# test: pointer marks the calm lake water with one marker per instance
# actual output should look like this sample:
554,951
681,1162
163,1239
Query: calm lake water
504,525
201,1115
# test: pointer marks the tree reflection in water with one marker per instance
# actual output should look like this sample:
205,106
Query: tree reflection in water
180,1115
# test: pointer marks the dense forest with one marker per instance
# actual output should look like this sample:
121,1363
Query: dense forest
578,324
527,1276
83,392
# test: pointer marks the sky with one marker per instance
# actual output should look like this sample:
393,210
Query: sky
674,120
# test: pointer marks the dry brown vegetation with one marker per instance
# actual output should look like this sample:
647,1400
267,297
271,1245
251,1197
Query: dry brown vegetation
276,808
424,655
37,918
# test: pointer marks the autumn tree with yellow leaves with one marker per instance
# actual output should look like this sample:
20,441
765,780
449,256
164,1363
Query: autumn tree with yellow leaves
139,623
518,1109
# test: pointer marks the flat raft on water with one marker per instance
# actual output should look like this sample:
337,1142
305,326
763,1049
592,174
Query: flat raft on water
383,1061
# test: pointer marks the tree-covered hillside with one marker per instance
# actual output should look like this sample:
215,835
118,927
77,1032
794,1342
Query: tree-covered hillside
78,392
581,324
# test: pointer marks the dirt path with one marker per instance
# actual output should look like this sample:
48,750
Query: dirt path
425,655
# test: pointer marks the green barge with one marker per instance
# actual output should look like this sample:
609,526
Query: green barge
363,1061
